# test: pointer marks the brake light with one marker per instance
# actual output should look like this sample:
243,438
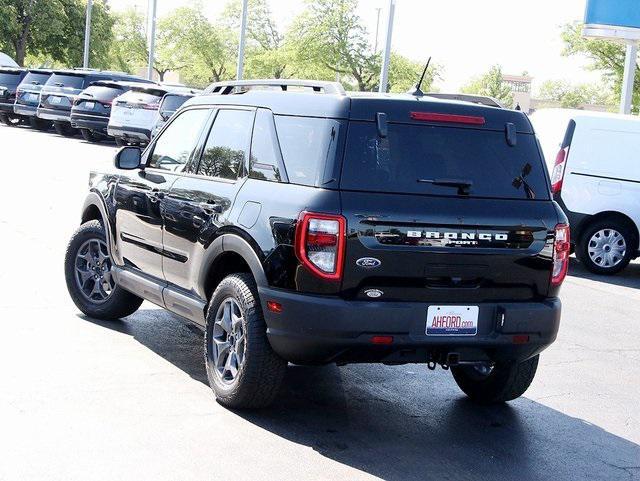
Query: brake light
452,118
319,244
557,176
561,252
150,106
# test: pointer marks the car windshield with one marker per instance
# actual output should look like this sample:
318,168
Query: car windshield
171,103
69,81
416,159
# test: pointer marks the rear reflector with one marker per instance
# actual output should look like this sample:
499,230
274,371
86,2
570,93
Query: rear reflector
382,340
274,306
520,339
451,118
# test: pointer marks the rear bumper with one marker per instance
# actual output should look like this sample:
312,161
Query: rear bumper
25,110
55,115
129,133
96,123
317,330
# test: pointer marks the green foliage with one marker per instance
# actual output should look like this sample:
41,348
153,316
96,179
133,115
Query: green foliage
573,96
129,49
491,84
606,56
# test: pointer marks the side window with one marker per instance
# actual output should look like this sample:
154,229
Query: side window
266,159
174,147
227,145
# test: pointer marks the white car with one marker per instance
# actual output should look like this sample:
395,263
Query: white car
134,113
594,160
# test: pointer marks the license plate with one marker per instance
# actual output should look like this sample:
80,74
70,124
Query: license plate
452,321
31,97
55,100
89,105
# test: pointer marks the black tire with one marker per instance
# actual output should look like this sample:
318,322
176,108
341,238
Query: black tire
626,234
9,120
505,382
120,303
261,374
64,129
39,124
90,136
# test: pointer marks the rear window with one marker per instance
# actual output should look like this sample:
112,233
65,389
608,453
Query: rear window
416,159
171,103
103,94
36,78
9,79
309,147
69,81
134,96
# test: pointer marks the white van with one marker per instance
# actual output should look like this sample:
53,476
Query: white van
594,160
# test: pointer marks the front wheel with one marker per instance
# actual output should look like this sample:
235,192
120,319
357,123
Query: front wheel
242,368
606,247
496,383
88,270
64,129
10,120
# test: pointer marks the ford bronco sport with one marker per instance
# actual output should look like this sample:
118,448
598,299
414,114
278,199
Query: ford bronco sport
309,225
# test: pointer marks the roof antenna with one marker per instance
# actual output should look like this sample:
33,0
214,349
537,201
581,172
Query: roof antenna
415,91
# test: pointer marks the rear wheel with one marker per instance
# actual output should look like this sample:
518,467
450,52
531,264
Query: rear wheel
243,369
65,129
39,124
90,136
495,383
606,246
90,281
10,120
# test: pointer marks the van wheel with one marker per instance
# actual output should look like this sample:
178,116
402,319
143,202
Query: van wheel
64,129
39,124
90,136
243,370
89,276
606,247
498,383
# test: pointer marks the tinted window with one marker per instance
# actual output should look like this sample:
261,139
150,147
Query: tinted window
133,96
307,144
36,78
174,147
265,152
70,81
103,93
9,79
413,156
171,103
227,144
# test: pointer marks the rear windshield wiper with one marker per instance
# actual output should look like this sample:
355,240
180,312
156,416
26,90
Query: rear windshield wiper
520,181
463,186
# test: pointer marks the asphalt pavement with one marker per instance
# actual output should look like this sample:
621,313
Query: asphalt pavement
82,399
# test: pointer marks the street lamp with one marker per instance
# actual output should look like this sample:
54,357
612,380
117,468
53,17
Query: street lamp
152,38
87,34
384,72
243,34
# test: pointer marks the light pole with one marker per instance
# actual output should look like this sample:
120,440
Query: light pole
384,72
152,38
243,34
375,45
629,77
87,34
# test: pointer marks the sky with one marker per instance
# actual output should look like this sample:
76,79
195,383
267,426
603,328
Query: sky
465,36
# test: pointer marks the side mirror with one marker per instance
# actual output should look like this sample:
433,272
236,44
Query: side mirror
128,158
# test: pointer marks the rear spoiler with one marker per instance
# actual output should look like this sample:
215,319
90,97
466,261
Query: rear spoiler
475,99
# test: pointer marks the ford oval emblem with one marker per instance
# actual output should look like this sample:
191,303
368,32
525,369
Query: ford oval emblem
374,293
368,262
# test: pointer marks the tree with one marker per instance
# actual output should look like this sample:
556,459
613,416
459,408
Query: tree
129,50
605,55
54,29
573,96
491,84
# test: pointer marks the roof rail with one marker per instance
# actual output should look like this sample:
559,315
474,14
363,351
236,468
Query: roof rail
235,86
476,99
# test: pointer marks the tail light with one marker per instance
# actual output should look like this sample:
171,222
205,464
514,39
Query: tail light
150,106
561,252
557,176
451,118
319,245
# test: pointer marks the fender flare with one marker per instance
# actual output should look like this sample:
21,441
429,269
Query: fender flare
93,199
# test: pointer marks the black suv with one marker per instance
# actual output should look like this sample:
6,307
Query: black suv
61,90
28,97
10,78
312,226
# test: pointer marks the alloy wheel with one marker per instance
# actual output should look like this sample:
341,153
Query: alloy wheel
607,248
228,341
93,271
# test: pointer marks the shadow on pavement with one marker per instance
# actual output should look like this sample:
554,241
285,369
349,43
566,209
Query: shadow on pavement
629,277
406,423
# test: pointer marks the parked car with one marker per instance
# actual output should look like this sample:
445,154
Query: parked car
28,97
595,177
134,114
62,88
92,108
169,104
323,227
10,78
